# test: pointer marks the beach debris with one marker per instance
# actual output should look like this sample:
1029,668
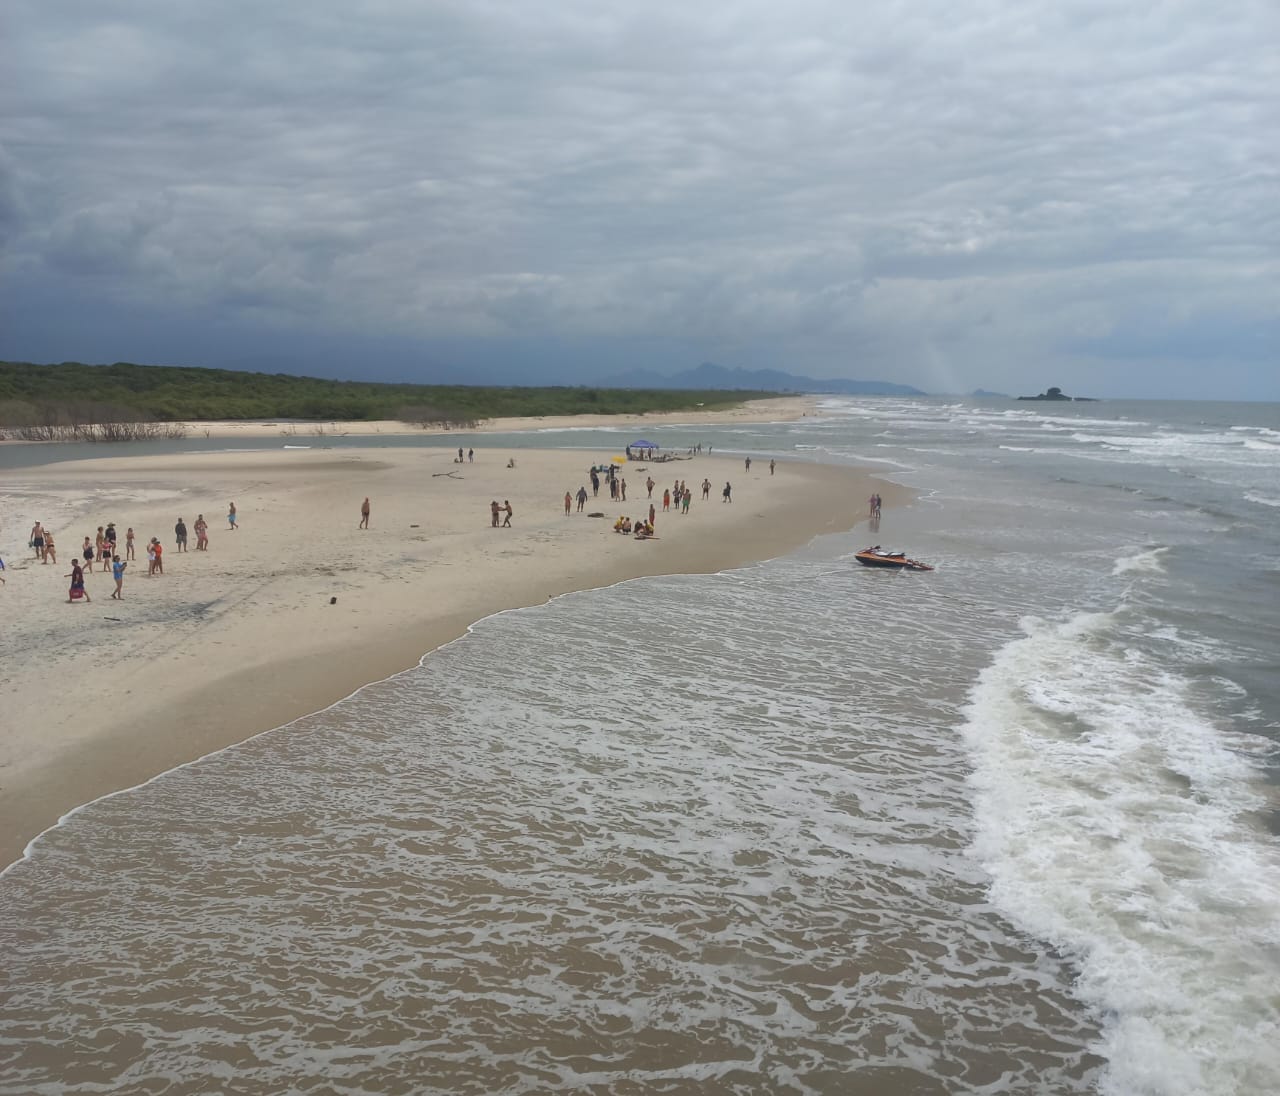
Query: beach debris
451,475
333,601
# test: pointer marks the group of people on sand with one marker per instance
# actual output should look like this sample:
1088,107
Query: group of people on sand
641,529
495,511
681,493
104,548
873,505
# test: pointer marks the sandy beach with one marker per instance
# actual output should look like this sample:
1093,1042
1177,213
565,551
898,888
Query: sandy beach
779,409
247,636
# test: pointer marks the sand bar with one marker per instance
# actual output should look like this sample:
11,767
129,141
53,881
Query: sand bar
779,409
243,638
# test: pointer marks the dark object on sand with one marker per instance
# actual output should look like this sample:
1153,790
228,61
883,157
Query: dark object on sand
333,601
897,561
596,514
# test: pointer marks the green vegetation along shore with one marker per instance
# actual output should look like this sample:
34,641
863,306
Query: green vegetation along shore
32,394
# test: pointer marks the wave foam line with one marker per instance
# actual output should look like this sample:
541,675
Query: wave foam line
1116,824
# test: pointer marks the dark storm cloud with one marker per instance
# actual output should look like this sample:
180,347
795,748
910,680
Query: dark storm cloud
949,194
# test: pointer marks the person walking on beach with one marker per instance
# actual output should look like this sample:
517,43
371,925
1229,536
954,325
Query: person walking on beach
666,500
364,509
112,536
180,534
582,497
100,549
77,590
568,503
128,541
459,454
87,553
748,464
650,484
494,510
231,515
471,456
623,486
595,483
727,494
37,540
50,549
706,489
686,499
506,522
772,465
202,536
117,572
652,515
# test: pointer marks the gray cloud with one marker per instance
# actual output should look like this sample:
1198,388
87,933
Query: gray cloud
952,195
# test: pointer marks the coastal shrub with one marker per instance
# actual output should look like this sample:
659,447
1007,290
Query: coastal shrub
172,393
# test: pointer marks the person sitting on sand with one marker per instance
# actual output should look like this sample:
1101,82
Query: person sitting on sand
626,525
77,590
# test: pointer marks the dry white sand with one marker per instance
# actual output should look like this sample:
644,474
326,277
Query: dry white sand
244,637
779,409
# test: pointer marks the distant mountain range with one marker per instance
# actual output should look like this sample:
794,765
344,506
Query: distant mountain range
710,375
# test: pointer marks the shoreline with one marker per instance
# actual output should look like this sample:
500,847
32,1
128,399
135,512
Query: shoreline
242,639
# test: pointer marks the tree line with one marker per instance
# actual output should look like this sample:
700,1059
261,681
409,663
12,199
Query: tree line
74,396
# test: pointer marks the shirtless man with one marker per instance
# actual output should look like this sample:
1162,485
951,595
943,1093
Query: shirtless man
506,522
364,509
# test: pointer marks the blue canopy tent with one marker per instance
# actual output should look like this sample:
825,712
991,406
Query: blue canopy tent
645,445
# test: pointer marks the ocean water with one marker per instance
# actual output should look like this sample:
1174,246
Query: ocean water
797,828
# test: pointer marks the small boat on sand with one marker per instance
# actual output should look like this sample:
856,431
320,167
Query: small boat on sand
875,556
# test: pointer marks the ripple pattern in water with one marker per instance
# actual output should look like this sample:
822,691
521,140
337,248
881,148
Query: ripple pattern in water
682,835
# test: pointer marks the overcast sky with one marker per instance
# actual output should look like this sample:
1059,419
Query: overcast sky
951,195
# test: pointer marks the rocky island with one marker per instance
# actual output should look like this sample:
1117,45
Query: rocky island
1058,394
